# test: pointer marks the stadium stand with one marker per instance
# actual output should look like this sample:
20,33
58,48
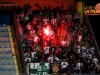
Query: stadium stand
6,57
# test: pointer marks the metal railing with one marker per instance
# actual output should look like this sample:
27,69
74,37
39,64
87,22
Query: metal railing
15,25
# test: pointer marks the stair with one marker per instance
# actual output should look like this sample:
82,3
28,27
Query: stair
7,63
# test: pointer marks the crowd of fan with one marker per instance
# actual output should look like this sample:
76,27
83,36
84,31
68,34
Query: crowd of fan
71,45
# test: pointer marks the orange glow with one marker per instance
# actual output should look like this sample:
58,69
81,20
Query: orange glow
53,3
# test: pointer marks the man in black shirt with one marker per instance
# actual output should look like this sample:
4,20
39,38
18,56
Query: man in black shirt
39,54
86,66
92,67
60,54
36,59
53,50
72,63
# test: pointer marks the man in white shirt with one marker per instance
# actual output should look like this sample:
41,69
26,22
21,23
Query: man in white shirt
46,51
79,37
78,48
64,42
32,55
27,60
45,20
77,67
89,55
29,27
68,17
53,21
95,60
64,65
32,32
56,59
50,58
36,39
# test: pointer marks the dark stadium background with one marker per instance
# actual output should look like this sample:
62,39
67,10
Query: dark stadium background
94,20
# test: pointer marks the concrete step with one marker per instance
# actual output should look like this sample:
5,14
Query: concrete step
6,66
3,32
5,49
6,60
7,72
5,54
3,28
2,43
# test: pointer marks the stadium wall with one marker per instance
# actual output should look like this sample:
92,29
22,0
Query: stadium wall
53,3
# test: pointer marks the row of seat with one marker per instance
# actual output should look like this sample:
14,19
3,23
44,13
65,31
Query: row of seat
6,57
6,63
5,41
3,25
6,52
3,30
4,35
5,46
7,69
6,74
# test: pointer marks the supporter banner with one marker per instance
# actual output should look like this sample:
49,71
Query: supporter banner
39,69
55,68
8,5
